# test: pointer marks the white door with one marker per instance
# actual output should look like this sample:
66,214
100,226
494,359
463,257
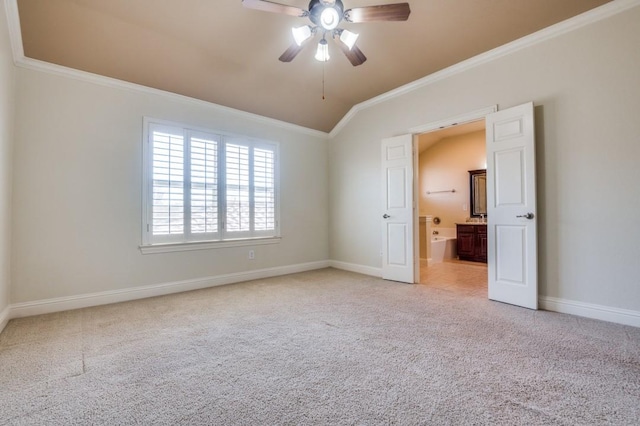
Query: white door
511,207
397,214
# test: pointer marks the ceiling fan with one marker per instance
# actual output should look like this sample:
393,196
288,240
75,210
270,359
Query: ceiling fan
325,16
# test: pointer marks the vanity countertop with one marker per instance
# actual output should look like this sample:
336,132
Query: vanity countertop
471,223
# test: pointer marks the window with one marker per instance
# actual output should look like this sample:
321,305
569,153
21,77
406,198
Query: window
206,187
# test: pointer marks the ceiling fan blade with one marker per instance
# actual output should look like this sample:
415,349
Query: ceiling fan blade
269,6
355,55
291,52
384,12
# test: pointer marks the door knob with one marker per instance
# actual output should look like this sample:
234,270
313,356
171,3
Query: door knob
385,216
527,216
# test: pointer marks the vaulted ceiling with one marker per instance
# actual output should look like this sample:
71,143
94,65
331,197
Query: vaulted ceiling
221,52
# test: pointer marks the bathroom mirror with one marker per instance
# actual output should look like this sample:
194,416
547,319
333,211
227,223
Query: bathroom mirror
478,192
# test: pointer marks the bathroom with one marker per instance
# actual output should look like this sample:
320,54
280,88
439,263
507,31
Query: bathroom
445,159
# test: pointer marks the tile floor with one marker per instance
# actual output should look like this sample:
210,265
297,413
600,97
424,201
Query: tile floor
468,278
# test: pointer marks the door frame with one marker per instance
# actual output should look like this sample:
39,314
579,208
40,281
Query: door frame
476,115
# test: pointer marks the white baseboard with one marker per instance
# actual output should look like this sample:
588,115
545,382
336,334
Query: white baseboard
4,317
352,267
38,307
588,310
47,306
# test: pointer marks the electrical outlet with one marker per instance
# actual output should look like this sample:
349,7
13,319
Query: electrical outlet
252,254
464,207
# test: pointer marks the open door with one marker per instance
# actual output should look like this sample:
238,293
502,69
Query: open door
511,207
397,216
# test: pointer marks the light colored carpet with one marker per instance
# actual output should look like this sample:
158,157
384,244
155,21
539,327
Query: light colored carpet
322,347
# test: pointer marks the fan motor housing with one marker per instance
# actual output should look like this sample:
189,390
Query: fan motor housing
316,8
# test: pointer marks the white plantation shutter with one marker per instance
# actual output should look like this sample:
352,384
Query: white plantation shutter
264,189
168,182
200,187
237,188
204,185
250,190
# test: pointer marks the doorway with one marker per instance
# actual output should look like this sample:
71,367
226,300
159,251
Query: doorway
510,234
445,158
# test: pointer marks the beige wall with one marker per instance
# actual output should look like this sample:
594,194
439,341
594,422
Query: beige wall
7,101
445,165
75,209
586,88
77,191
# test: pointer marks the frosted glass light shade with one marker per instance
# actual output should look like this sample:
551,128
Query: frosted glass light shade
301,34
329,18
322,54
348,38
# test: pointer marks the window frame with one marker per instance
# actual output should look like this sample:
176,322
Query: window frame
222,237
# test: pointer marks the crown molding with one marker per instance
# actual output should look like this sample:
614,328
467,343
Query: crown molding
22,61
15,35
37,65
600,13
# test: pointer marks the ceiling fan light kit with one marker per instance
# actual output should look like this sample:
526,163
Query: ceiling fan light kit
301,34
322,54
326,15
348,38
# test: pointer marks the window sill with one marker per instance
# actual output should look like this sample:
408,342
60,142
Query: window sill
207,245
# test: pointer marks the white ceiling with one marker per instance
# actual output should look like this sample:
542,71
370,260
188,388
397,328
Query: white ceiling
221,52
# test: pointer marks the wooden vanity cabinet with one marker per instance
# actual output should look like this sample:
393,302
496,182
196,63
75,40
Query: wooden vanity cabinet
472,242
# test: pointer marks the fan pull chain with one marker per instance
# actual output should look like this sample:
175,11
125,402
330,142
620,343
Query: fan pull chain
323,81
